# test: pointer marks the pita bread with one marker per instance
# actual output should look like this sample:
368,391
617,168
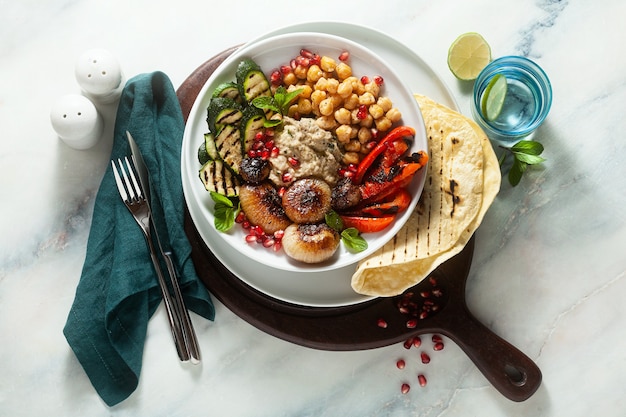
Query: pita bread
462,180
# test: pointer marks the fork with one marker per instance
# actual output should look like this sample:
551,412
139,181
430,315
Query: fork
135,201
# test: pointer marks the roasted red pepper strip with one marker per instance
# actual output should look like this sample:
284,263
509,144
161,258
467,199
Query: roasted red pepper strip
398,134
367,224
393,204
400,176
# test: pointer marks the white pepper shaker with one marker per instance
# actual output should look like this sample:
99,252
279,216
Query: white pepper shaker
77,121
99,75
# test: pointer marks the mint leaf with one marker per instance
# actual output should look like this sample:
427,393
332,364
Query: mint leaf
266,103
224,212
353,240
524,152
334,221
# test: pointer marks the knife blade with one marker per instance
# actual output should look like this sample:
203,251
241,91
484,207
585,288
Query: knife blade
191,340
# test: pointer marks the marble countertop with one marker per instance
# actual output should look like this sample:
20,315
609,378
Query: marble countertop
548,273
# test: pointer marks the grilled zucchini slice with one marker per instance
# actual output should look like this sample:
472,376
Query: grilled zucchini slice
251,80
228,145
229,90
252,122
223,111
216,176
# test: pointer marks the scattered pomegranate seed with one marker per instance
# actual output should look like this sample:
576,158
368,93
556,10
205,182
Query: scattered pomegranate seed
422,380
279,234
423,315
287,177
438,346
408,343
379,80
425,358
246,224
344,56
381,323
302,61
293,64
400,364
277,246
365,79
251,238
405,388
411,324
417,342
285,69
240,217
437,292
436,338
425,294
432,281
274,152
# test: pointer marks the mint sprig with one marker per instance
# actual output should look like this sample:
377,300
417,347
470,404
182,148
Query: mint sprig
349,236
278,103
224,212
524,152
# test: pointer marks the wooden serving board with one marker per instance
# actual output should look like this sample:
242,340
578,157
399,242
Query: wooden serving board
436,306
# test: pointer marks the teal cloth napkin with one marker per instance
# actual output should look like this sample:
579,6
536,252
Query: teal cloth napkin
118,290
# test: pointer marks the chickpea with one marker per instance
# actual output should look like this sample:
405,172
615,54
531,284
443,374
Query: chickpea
314,73
326,122
372,88
383,124
376,111
343,70
326,107
344,89
327,64
342,115
352,102
321,84
304,106
367,99
393,115
316,97
351,158
343,133
332,85
352,146
290,79
337,100
385,103
300,72
293,110
368,121
364,135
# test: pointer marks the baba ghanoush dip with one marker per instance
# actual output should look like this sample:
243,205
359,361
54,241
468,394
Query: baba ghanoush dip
306,150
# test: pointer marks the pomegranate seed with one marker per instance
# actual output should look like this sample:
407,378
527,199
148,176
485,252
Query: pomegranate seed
294,162
405,388
400,364
404,310
276,77
259,136
252,153
258,144
274,152
269,133
362,112
265,153
422,380
371,145
423,315
437,292
342,172
344,56
241,217
374,133
379,80
306,53
277,246
425,357
436,338
365,79
285,69
411,324
268,242
269,143
287,177
352,167
293,64
257,230
282,191
316,59
408,343
279,234
425,294
251,238
417,342
302,61
381,323
438,346
432,281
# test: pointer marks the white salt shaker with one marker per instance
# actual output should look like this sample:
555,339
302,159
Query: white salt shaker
99,75
77,121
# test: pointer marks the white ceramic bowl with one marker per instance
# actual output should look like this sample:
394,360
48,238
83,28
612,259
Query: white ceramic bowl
269,54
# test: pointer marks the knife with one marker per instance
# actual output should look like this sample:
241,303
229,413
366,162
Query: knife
189,334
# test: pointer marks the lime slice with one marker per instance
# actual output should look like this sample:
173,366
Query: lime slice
493,97
468,55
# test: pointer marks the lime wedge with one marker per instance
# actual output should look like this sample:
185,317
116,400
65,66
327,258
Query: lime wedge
493,97
468,55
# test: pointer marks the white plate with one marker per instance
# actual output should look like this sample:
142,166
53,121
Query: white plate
316,288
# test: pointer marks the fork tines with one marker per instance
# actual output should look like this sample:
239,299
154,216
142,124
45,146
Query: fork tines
134,190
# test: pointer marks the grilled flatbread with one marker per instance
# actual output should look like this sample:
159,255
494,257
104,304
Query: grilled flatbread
462,180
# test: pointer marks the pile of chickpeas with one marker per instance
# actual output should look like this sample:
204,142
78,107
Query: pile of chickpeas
350,107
